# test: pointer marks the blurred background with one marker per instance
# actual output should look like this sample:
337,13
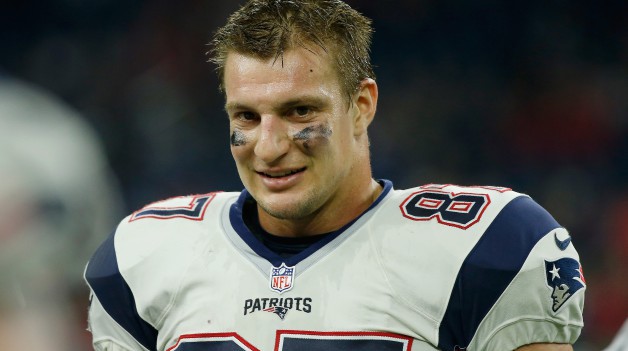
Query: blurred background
107,105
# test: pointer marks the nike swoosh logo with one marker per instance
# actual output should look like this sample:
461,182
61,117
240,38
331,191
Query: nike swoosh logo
562,244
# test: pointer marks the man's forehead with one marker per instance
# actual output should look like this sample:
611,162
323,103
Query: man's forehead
311,54
294,67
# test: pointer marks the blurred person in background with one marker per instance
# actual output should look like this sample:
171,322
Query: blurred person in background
58,198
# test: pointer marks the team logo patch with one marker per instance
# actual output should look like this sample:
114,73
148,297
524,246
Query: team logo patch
564,277
281,278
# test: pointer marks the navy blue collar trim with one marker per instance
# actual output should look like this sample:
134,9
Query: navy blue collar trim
237,222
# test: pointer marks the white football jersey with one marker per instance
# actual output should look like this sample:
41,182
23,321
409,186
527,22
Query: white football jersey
437,267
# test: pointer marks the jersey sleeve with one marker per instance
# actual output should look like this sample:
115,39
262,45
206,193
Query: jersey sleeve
113,318
521,284
107,334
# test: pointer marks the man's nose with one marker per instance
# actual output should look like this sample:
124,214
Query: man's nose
272,142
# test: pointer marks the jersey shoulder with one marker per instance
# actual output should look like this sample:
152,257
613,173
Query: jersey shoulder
493,227
170,222
157,231
491,252
451,227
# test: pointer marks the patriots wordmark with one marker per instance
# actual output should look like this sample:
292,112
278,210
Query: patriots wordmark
278,305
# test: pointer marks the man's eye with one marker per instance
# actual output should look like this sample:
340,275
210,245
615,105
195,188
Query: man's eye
246,116
302,111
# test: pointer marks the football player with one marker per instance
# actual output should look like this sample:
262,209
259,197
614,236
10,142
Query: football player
314,253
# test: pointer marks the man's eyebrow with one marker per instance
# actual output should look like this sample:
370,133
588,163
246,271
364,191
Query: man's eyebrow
302,100
230,106
282,106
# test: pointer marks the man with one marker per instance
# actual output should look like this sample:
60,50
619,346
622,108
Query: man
315,254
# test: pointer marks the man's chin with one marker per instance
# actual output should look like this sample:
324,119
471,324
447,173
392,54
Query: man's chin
285,212
285,207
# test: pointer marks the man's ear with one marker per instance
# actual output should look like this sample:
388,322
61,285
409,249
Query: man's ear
365,102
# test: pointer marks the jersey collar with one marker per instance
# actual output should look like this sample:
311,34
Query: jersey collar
237,222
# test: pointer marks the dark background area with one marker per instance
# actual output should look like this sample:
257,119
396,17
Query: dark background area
531,95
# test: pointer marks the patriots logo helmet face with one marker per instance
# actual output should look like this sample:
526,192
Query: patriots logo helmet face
564,277
278,310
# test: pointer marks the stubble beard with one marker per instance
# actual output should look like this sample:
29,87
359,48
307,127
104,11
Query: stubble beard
308,205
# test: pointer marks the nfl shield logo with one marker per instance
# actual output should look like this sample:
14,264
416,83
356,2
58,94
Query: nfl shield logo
281,278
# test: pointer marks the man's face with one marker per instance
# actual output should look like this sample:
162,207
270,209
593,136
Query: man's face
292,131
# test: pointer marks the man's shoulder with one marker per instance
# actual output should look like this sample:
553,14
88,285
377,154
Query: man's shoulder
456,230
163,228
175,218
473,219
478,241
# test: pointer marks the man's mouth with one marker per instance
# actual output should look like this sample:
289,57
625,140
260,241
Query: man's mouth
281,174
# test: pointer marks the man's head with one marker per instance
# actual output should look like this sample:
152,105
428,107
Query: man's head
300,98
268,28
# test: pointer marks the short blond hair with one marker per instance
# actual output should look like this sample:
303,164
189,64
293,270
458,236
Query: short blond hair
267,28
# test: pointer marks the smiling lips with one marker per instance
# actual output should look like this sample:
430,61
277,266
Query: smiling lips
280,174
281,180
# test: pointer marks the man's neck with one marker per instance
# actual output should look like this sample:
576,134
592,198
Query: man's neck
324,220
